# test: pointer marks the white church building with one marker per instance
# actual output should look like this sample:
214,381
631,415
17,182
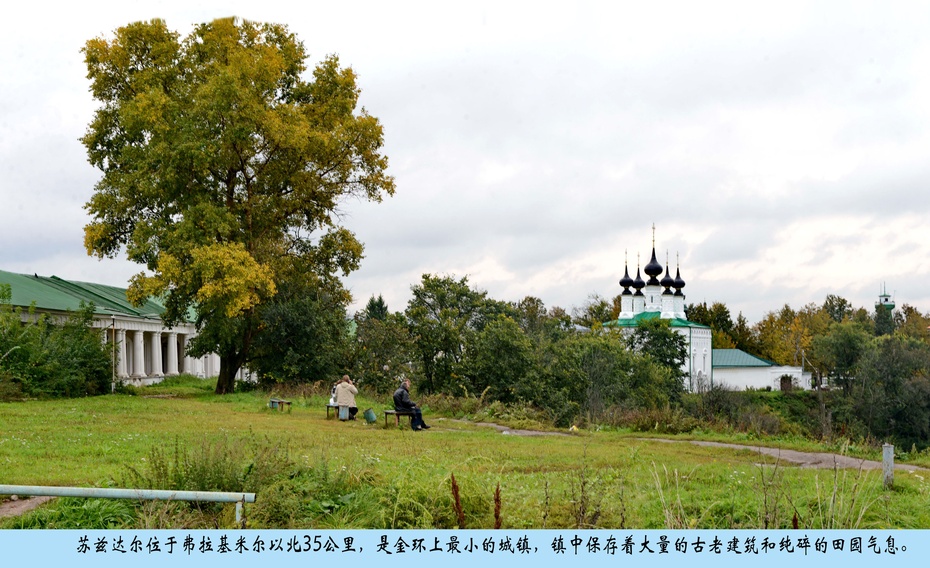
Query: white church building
655,298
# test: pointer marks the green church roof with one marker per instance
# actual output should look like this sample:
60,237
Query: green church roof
56,294
634,321
738,358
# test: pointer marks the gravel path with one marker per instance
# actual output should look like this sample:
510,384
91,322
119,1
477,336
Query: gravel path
817,460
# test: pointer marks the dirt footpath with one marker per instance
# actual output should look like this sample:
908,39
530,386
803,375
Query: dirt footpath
17,507
809,459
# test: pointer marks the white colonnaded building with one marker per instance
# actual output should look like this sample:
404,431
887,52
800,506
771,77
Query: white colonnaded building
145,350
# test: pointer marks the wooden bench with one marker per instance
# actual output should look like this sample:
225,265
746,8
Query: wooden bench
279,404
334,408
397,414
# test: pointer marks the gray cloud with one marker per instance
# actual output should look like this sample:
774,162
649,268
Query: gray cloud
532,147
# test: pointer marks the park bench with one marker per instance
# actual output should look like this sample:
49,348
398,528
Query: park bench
279,404
397,414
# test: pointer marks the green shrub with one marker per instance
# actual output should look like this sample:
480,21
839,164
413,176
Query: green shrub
44,358
663,420
218,465
317,497
77,513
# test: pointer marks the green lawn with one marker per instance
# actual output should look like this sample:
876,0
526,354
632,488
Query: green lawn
354,475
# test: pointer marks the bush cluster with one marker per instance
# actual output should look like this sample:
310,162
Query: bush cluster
43,357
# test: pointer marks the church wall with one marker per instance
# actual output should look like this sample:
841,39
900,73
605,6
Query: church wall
742,378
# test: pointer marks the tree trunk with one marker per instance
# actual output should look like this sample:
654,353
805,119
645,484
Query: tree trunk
226,382
231,359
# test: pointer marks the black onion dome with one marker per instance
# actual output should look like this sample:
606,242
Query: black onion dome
679,283
638,284
626,282
667,282
653,269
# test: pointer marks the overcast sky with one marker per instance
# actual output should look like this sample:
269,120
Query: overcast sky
782,151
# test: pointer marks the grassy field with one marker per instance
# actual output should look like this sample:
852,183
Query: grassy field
308,471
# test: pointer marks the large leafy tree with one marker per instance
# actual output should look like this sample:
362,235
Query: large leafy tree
223,166
499,357
304,336
384,351
443,314
837,353
892,396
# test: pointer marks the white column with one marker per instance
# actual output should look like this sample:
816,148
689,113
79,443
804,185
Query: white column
138,355
156,355
121,370
188,366
172,370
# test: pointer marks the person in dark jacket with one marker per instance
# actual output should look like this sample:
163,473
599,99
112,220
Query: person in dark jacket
402,402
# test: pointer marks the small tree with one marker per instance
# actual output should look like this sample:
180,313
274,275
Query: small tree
838,352
656,339
376,308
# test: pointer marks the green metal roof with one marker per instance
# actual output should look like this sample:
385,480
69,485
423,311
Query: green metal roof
634,321
56,294
738,358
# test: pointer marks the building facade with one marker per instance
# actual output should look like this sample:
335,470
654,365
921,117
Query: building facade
737,370
145,351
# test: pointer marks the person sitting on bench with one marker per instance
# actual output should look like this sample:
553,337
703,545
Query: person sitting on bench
345,395
403,403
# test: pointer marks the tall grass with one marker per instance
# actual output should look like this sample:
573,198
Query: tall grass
310,472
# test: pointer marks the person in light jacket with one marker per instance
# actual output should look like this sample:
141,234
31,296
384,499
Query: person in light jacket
345,395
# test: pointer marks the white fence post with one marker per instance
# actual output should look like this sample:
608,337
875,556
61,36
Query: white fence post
888,465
